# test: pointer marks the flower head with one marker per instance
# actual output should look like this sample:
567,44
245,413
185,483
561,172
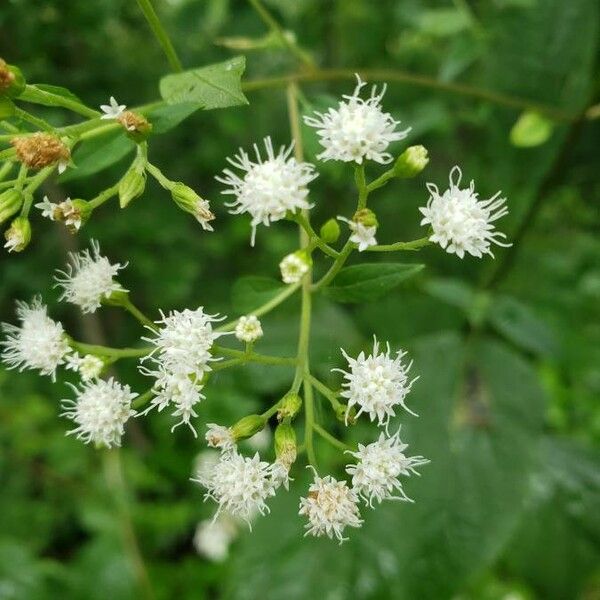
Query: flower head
267,189
88,366
214,536
376,475
113,110
460,221
248,329
240,485
293,267
377,383
221,437
39,343
89,279
358,129
100,412
330,507
18,235
40,150
362,235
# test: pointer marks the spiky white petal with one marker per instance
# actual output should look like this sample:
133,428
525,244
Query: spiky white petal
38,343
113,110
376,475
89,279
377,383
88,366
248,329
330,507
100,411
460,221
358,129
267,189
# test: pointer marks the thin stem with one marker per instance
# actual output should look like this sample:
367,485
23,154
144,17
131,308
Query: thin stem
254,357
39,123
314,237
271,411
328,393
226,364
335,267
330,438
266,307
32,186
361,185
414,245
98,350
102,197
5,169
381,180
143,399
132,309
309,423
158,175
160,34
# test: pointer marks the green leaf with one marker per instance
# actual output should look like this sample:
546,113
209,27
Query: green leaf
7,108
531,129
98,154
251,292
361,283
215,86
36,94
167,117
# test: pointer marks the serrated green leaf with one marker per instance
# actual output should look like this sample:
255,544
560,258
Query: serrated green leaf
214,86
98,154
361,283
250,292
531,129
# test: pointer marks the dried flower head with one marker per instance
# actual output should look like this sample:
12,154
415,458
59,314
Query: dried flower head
40,150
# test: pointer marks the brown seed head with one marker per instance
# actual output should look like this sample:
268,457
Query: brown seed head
134,123
40,150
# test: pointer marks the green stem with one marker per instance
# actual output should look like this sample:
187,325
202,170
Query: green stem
32,186
381,180
337,406
234,362
335,267
309,423
5,169
102,197
314,237
413,245
271,411
132,309
330,438
158,175
160,34
143,399
97,350
361,185
39,123
254,357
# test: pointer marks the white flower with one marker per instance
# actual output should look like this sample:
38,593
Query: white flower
100,412
280,474
293,268
201,210
240,485
221,437
358,129
88,366
214,536
39,343
89,279
362,235
248,329
377,383
330,507
380,465
269,188
460,221
48,208
64,211
178,389
113,110
15,239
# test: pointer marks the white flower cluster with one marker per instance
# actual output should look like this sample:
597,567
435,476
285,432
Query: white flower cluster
248,329
362,235
180,358
293,267
65,211
269,188
89,279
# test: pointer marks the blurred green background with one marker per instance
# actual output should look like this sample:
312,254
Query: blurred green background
508,351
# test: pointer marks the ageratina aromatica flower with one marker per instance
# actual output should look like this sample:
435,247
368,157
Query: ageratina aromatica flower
376,475
293,267
40,150
248,329
358,129
218,436
377,383
39,343
89,279
330,507
460,221
240,485
362,235
269,188
72,212
113,110
88,366
100,412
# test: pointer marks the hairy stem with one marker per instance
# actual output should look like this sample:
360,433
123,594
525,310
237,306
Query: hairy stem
413,245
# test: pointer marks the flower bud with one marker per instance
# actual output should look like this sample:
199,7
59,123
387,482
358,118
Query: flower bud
285,444
132,185
18,235
247,427
138,128
10,203
294,266
73,213
330,231
411,162
117,298
187,200
12,82
289,406
41,150
365,217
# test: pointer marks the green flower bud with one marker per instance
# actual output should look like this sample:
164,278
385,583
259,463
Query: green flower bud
132,185
18,235
411,162
289,406
137,127
365,217
74,213
187,200
285,444
247,427
330,231
12,82
10,203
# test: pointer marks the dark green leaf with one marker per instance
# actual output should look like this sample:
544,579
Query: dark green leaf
251,292
360,283
215,86
165,118
7,108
